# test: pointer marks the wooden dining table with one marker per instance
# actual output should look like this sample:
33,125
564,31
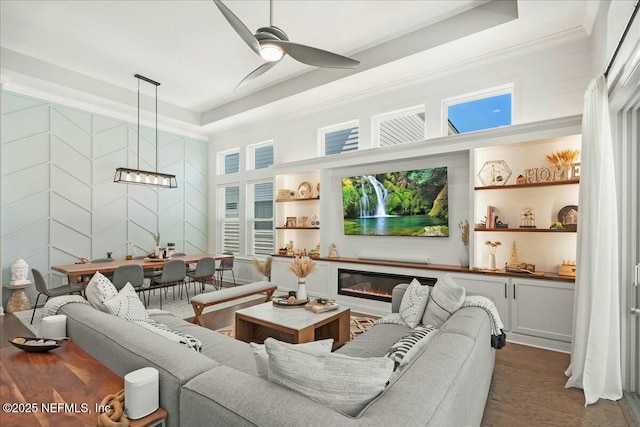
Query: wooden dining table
75,271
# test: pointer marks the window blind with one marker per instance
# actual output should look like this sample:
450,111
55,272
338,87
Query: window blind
341,141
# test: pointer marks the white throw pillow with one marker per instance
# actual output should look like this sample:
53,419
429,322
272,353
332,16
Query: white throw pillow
342,383
414,301
314,348
445,299
127,305
99,290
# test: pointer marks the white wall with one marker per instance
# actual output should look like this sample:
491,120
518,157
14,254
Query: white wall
59,201
549,82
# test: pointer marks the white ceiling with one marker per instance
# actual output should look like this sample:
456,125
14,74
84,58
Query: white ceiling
90,50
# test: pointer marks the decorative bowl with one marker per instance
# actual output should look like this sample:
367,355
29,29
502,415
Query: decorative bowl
36,345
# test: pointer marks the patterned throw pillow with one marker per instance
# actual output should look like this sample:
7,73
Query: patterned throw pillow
127,305
99,290
414,301
314,347
445,299
410,345
342,383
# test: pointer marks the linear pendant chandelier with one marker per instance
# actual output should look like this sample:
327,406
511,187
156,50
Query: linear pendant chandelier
142,177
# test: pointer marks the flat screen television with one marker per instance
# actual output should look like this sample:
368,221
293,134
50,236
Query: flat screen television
406,203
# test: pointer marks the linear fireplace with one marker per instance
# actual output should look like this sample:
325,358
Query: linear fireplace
375,286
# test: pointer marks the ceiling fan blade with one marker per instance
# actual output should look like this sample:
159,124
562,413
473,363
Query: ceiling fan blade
313,56
239,27
257,72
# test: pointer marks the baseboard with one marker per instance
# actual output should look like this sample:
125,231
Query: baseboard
543,343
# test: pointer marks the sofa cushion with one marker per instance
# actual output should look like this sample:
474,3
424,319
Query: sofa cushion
445,298
345,384
375,342
127,304
219,347
410,345
99,290
314,348
413,303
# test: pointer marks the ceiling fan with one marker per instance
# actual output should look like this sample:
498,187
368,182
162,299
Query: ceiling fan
272,43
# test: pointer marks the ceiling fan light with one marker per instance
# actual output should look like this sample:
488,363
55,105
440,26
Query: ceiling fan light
270,52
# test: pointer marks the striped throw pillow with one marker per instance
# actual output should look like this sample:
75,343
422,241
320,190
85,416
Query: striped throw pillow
410,345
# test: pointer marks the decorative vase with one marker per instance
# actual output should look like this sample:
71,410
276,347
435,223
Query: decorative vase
302,288
464,257
492,261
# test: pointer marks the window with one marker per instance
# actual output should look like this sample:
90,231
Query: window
260,220
260,155
339,138
480,110
230,218
399,127
229,162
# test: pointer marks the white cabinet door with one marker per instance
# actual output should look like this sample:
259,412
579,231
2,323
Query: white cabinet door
494,288
542,308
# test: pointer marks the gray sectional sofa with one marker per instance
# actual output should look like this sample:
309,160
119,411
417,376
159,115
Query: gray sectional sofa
445,385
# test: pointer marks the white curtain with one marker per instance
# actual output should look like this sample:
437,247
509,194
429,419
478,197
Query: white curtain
595,349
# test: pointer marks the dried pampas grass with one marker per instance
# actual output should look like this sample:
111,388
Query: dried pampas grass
563,157
302,266
263,268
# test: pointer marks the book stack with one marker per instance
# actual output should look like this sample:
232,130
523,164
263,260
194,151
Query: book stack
491,217
317,307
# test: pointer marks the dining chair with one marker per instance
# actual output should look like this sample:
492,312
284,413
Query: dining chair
149,273
205,270
42,289
130,273
173,273
226,264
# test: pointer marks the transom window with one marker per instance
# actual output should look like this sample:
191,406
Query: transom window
229,162
260,156
479,110
399,127
339,138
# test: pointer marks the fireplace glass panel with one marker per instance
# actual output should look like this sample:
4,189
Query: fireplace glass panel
375,286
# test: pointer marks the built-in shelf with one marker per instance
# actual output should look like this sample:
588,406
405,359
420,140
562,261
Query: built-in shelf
297,228
530,185
526,230
297,200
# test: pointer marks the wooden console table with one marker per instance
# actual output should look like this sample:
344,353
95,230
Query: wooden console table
63,387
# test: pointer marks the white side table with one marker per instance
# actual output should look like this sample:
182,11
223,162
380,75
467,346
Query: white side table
18,301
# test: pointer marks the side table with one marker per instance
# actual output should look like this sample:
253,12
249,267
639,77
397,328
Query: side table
18,301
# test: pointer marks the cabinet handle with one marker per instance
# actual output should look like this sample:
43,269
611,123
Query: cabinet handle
514,291
505,289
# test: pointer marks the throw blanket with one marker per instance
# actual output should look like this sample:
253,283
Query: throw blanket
168,333
54,304
498,337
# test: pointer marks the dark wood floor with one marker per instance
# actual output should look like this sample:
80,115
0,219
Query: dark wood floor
527,387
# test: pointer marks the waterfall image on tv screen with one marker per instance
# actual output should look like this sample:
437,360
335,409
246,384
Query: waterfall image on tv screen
407,203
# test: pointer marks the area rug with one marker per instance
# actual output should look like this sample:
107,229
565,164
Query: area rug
358,325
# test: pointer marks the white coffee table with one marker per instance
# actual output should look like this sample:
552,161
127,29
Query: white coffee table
293,325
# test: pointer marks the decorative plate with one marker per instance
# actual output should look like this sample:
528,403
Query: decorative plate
568,216
305,191
36,345
284,302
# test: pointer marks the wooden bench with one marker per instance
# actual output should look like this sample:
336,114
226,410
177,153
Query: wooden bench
199,302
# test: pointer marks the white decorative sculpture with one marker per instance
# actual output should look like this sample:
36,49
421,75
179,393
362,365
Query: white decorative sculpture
19,273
